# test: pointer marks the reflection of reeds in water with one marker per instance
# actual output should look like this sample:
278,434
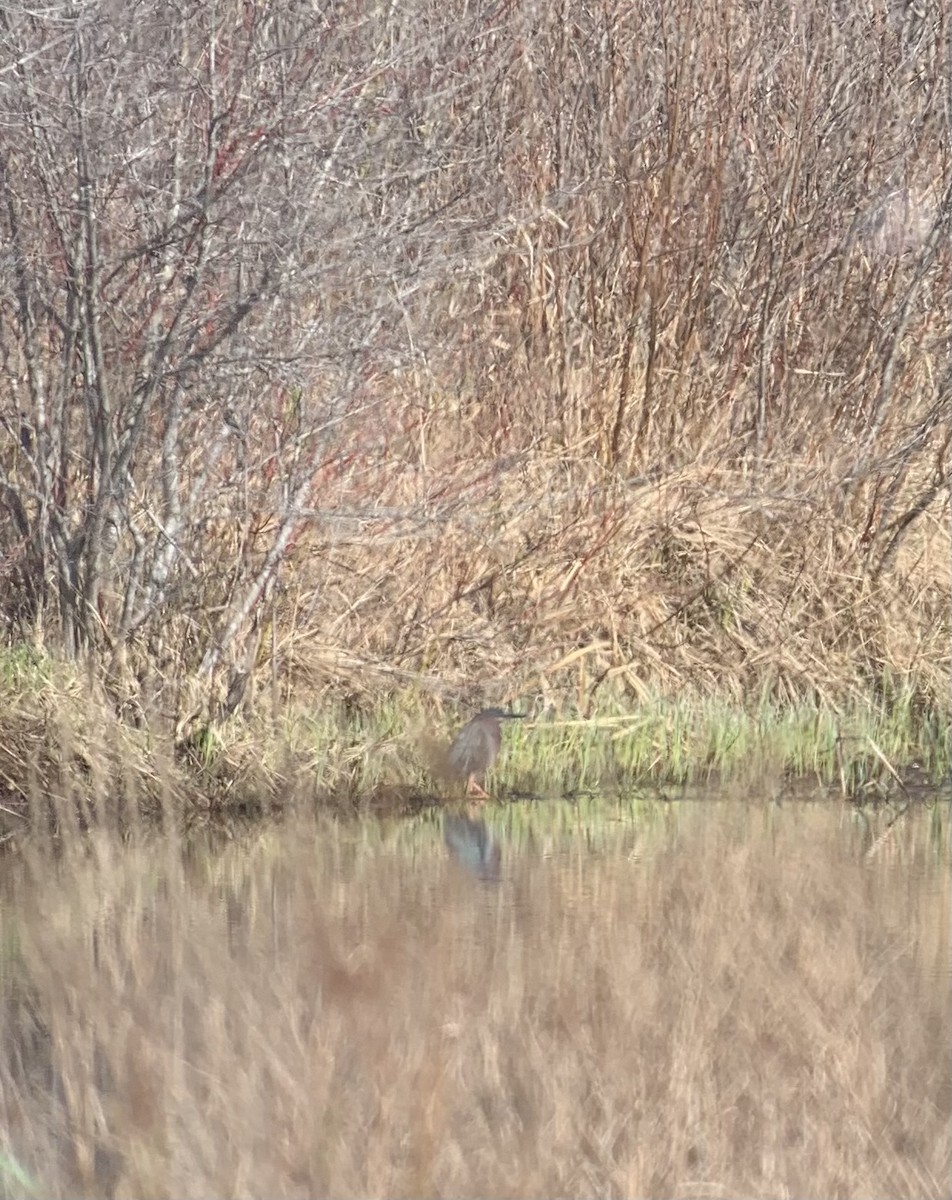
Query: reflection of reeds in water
727,999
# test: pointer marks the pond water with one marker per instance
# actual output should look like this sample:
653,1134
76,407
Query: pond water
708,997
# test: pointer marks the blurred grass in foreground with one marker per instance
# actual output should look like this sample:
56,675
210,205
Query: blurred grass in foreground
654,999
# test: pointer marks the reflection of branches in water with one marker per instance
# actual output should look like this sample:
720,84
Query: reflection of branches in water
472,845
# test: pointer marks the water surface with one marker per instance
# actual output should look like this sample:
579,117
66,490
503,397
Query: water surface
641,999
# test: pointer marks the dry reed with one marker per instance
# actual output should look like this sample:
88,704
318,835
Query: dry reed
662,402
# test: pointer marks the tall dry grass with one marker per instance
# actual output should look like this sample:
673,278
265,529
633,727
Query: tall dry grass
722,1002
623,364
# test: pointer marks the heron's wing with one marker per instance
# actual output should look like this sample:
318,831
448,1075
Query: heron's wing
474,748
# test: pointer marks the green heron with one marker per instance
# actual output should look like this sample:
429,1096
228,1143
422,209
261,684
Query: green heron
476,747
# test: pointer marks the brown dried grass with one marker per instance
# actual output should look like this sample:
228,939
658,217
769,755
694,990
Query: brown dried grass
665,409
537,574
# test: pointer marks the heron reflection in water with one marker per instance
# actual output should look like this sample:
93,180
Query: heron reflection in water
472,845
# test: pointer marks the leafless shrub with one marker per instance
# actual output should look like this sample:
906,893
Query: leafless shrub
416,312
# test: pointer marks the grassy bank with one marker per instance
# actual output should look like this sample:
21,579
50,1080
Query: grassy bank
62,743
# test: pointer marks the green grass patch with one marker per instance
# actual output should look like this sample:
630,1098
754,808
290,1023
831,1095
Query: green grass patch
693,740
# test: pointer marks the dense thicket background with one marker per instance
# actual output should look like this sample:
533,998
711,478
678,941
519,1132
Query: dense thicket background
579,344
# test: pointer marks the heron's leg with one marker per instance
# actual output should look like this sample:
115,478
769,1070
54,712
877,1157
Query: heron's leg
473,789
